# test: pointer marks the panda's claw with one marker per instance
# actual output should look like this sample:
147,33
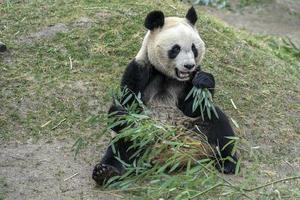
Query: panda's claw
103,172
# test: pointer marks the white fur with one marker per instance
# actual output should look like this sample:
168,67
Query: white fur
158,42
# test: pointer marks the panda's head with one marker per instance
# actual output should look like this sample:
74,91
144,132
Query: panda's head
172,44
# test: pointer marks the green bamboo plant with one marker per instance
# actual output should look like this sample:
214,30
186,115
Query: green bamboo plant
203,101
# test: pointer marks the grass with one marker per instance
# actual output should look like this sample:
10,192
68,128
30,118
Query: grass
244,3
43,97
228,3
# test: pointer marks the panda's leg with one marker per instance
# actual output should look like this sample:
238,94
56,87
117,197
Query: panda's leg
107,168
110,166
217,135
135,79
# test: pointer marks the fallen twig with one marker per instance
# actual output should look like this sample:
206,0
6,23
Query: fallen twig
207,190
271,183
59,123
233,104
48,122
71,176
71,63
17,157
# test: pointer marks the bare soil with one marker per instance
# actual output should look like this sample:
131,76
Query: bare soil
49,170
45,33
281,17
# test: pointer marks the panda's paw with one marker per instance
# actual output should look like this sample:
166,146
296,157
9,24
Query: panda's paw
103,172
227,166
203,80
2,47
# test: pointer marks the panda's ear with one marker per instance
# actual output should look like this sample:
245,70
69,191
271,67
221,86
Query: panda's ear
192,16
154,19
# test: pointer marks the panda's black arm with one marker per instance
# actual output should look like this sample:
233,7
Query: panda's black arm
220,128
186,105
200,79
135,78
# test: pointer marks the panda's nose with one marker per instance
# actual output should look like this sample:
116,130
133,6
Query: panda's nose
189,66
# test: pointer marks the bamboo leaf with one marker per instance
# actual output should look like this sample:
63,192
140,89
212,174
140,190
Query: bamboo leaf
208,112
215,111
235,123
113,148
238,166
201,111
127,99
189,94
188,167
174,167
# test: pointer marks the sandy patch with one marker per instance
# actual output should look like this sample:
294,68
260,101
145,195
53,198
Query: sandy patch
47,170
45,33
281,17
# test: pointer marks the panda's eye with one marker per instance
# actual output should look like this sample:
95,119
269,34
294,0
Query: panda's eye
195,51
172,53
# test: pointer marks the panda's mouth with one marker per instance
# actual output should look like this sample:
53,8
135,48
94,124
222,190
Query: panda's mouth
182,75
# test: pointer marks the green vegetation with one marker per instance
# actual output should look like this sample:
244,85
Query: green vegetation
57,85
215,3
227,3
202,100
163,151
252,2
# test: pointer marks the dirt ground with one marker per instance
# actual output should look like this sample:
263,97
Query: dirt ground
282,18
47,169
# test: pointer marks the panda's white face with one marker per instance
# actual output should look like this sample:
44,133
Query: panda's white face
175,49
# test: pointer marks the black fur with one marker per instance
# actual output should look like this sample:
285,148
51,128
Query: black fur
195,51
192,16
189,67
135,73
204,80
136,78
154,19
2,47
172,53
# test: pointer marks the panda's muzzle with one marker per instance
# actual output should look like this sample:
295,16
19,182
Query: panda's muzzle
184,75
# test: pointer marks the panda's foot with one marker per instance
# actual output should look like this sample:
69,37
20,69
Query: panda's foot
103,172
2,47
227,166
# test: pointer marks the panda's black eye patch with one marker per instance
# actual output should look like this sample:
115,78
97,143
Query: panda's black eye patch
172,53
195,51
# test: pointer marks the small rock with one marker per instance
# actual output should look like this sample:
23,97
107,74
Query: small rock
103,15
84,22
2,47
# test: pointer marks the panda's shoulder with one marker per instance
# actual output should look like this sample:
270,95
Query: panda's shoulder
136,67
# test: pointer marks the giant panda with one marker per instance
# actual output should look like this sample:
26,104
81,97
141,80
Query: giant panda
163,72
